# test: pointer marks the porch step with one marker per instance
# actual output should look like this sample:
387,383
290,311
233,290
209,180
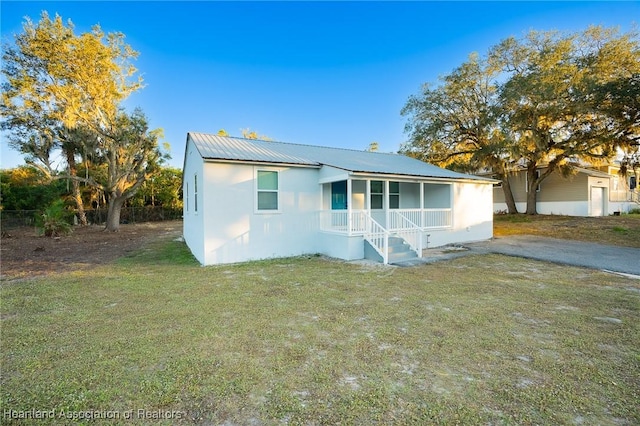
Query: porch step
400,251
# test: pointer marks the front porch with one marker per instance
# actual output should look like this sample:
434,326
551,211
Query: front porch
384,211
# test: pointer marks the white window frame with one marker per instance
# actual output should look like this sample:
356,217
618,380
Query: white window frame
186,196
195,193
257,190
376,194
394,194
526,181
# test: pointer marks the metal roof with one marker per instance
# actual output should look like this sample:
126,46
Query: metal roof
214,147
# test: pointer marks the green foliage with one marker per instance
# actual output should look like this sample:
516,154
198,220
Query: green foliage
26,188
549,99
55,220
63,91
163,188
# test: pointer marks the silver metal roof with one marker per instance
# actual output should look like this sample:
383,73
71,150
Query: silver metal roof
214,147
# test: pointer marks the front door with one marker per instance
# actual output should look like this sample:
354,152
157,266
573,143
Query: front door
339,195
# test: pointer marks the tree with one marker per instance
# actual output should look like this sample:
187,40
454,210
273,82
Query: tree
456,125
27,188
373,147
250,134
63,88
548,102
162,189
131,154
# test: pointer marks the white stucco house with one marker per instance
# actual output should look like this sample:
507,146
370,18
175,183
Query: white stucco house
250,199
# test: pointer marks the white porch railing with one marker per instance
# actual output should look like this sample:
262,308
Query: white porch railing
360,222
377,236
398,219
422,218
340,221
406,229
623,195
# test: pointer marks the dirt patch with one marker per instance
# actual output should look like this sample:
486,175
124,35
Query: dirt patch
25,254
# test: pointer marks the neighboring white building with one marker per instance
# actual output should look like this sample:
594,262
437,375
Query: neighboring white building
250,199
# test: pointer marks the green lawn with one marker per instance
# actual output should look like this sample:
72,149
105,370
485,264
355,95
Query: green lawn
477,340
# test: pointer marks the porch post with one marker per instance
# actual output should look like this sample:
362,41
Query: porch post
367,196
349,217
421,224
386,204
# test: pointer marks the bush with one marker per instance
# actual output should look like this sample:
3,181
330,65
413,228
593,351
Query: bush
635,210
55,220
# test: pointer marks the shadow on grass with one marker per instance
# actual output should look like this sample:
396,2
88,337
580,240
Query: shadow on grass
174,252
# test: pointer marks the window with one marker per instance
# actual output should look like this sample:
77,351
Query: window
195,193
186,196
394,195
267,190
526,181
376,194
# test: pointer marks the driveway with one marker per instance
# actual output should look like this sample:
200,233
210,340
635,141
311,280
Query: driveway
576,253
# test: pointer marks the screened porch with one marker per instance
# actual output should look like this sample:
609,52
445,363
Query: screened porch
350,206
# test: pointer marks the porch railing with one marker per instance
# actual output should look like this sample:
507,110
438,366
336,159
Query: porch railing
405,228
340,221
377,236
398,219
422,218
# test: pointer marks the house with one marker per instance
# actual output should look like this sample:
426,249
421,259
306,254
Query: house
250,199
589,192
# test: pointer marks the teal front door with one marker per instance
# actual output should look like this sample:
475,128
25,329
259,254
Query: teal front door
339,195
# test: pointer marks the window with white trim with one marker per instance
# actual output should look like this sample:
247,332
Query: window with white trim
526,181
394,195
267,190
186,196
376,194
195,193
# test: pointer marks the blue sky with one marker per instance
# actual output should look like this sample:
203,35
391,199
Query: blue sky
319,73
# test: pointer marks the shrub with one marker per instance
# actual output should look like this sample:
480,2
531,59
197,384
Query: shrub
55,220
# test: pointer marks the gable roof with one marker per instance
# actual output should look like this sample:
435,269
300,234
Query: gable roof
215,147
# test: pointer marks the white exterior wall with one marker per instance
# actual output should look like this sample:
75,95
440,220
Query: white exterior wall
341,246
192,221
571,208
472,216
235,231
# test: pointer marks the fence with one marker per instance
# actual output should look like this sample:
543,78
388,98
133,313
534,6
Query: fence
10,219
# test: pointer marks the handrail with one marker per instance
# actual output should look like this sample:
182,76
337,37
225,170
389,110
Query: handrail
408,230
377,236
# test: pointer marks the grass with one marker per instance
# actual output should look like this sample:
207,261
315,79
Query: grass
478,340
621,230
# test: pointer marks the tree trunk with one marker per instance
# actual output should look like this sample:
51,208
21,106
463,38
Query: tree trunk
508,196
532,194
113,216
75,185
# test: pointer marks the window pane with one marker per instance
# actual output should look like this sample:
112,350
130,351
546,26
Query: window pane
376,187
376,201
394,187
267,201
267,180
394,201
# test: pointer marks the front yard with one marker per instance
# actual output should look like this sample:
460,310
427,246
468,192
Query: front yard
478,340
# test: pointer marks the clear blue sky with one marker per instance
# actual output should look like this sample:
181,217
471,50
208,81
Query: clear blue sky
320,73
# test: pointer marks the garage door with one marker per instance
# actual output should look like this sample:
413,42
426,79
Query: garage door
597,201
